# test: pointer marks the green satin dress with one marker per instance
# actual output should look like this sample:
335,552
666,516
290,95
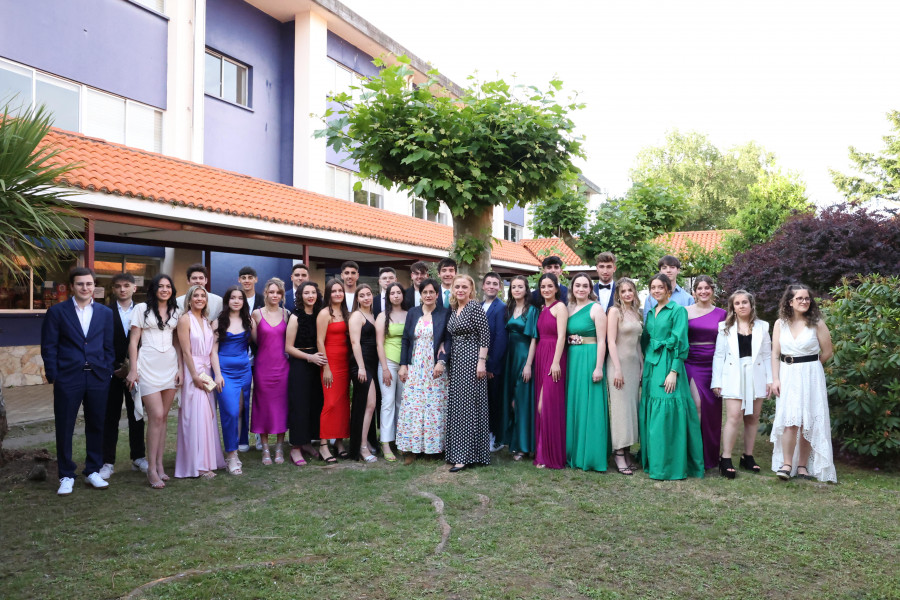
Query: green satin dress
518,396
671,442
587,403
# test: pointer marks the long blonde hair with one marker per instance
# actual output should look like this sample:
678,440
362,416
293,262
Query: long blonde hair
190,294
453,302
633,306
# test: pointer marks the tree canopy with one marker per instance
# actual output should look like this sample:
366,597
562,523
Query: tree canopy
878,175
717,183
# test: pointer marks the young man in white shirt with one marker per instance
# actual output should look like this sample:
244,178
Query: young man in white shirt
418,272
447,272
197,274
349,275
605,289
670,267
247,278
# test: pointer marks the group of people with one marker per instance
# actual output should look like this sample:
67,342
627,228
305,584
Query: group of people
567,376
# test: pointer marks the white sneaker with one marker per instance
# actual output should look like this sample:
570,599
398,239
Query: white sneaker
107,470
243,448
140,464
65,486
259,443
95,481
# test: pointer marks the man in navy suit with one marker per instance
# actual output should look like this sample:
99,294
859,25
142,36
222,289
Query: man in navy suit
552,264
418,272
495,310
77,348
605,289
386,276
299,274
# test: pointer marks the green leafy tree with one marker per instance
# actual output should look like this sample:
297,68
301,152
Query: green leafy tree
495,145
697,260
563,214
717,183
627,226
34,209
770,202
879,175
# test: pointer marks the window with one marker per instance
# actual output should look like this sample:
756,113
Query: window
80,108
512,232
339,183
226,79
420,211
341,80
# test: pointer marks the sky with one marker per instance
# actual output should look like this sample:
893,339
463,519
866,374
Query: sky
803,79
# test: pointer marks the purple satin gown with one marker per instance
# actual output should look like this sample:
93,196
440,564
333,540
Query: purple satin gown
270,380
702,333
550,422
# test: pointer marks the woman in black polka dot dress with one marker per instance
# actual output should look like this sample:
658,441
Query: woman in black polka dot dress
468,438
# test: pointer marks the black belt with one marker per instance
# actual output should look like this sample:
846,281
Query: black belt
799,359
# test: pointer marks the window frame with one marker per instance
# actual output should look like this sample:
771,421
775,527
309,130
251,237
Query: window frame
513,230
440,217
242,69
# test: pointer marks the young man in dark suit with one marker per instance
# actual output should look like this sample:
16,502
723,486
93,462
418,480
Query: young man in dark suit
386,276
299,274
605,289
418,272
77,348
447,272
552,264
122,307
495,311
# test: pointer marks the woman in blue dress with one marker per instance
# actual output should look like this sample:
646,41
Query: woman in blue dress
232,344
518,391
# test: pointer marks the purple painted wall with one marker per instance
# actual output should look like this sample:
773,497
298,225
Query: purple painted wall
112,45
356,60
235,138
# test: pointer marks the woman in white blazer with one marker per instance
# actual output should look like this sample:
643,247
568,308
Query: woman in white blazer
742,375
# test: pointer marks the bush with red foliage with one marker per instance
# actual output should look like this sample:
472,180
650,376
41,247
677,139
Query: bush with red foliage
818,250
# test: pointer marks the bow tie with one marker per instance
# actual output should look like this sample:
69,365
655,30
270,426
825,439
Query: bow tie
601,286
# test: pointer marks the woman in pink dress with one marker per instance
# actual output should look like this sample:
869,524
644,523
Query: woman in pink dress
199,452
550,378
270,373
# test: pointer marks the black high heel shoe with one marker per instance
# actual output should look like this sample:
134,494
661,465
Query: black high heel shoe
748,463
726,468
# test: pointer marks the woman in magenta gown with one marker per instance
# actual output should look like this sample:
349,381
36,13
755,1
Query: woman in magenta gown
703,329
550,378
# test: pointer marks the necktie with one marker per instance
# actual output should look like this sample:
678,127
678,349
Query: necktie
446,297
601,286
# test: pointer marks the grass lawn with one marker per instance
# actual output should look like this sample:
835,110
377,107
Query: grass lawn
371,531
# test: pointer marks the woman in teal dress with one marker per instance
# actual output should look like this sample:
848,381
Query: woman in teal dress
587,406
518,392
671,443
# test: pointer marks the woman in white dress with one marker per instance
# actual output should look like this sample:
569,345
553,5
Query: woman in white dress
156,367
800,346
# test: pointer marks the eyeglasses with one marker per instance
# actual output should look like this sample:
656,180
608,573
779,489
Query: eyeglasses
803,300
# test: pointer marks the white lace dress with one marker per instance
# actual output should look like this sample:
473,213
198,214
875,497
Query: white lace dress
803,403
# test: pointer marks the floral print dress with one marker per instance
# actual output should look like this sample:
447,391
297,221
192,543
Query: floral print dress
420,426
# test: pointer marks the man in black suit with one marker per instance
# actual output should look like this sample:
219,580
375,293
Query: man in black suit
605,290
418,272
554,266
386,276
299,274
77,348
495,312
122,307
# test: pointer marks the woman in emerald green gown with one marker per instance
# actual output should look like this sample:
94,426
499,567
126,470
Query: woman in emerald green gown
671,443
518,391
587,406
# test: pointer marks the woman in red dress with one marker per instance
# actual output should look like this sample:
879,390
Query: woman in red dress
332,341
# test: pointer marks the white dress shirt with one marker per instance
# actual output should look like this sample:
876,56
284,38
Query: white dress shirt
603,295
125,316
84,315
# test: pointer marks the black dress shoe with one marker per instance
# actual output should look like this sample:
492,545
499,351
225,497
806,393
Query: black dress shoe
455,469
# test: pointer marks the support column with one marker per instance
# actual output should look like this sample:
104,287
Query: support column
89,243
207,261
310,87
306,255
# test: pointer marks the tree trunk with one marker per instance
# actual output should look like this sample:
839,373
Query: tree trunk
480,226
572,243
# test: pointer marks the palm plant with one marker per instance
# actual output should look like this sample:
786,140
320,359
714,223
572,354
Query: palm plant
33,209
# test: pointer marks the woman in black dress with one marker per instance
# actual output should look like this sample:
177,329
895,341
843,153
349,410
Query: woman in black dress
305,397
363,373
467,343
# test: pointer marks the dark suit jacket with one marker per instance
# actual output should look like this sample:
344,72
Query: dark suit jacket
563,296
65,349
376,303
289,300
612,294
439,318
496,317
410,296
120,338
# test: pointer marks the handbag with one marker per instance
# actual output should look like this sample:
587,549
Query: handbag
208,382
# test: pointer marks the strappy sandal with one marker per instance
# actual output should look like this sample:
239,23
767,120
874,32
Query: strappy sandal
300,462
329,460
627,469
805,476
386,452
234,466
279,455
782,473
157,485
266,457
748,463
518,456
726,468
207,475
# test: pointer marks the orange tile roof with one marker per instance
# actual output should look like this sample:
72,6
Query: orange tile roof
117,169
556,246
676,241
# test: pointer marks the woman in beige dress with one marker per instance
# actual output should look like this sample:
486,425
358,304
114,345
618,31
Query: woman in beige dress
624,363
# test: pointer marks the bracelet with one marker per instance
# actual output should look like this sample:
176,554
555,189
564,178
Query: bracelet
484,359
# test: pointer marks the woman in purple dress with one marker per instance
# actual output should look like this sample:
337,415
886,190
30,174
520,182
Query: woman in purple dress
550,378
271,371
703,329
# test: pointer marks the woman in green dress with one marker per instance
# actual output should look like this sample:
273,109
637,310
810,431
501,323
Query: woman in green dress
587,408
518,391
671,443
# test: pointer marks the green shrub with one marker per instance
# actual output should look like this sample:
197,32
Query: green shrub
864,376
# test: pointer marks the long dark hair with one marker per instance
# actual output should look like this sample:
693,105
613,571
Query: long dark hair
153,302
552,278
225,316
327,300
388,307
359,288
591,294
786,313
511,302
300,306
